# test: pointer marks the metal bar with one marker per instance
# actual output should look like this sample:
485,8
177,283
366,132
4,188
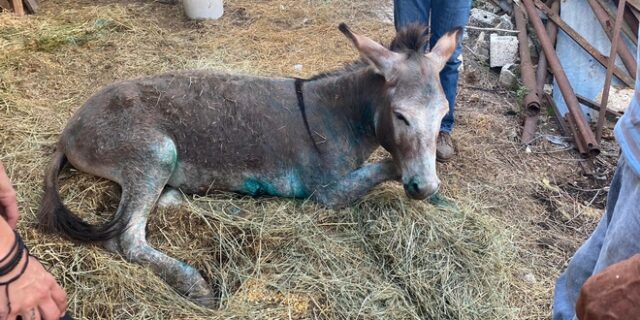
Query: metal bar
625,54
588,169
561,121
595,106
529,129
629,17
562,80
567,125
610,66
631,34
581,145
595,53
18,9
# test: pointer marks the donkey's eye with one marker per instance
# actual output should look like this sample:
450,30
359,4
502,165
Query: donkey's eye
400,117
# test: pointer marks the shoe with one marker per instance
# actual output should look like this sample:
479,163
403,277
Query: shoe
444,147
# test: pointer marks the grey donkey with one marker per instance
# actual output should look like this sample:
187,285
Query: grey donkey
200,131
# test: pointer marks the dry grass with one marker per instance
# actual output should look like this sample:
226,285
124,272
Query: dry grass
385,258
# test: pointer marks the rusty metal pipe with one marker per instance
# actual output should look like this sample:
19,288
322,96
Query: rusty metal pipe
531,101
626,56
531,121
563,82
580,40
610,65
552,31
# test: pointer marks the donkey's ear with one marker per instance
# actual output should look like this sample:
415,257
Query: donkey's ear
380,57
445,47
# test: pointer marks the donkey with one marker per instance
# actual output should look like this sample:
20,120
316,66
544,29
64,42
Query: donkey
199,131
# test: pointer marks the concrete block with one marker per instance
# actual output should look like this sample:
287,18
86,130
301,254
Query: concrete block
502,50
483,18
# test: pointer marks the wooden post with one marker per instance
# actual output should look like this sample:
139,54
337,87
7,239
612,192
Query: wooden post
17,7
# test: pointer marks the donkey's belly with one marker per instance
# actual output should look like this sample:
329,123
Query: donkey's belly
281,182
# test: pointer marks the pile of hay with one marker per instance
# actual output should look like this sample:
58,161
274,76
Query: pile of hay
386,257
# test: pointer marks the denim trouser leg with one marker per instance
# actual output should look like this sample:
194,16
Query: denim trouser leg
445,15
409,11
617,237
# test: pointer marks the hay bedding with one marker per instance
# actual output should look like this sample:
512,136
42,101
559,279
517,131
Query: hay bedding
384,258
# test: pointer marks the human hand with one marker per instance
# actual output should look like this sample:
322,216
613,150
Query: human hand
34,295
613,293
8,200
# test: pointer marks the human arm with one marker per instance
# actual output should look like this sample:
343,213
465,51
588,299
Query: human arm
34,294
8,200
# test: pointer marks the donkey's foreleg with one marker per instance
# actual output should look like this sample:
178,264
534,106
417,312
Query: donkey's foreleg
356,184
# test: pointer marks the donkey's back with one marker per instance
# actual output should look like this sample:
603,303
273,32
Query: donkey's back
221,131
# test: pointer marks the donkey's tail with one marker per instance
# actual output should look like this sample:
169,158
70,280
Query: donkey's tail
53,216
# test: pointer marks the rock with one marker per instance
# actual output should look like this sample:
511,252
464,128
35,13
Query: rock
481,47
508,78
619,99
297,67
505,22
529,277
482,18
502,50
487,6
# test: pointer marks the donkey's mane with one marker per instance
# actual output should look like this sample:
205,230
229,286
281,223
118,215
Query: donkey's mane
410,40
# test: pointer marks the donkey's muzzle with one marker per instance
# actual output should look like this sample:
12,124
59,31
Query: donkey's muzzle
419,188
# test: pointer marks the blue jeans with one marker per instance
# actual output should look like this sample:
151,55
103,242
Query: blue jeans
445,15
616,238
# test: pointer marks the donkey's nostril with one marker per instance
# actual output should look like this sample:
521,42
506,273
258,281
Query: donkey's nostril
419,188
415,186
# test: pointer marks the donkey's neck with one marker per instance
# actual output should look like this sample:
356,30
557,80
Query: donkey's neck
350,96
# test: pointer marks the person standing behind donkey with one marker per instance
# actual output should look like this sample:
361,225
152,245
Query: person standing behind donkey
445,15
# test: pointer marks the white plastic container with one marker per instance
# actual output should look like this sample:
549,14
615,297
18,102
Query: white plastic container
203,9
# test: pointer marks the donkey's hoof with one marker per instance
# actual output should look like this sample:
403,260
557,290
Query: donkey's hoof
202,294
112,245
210,301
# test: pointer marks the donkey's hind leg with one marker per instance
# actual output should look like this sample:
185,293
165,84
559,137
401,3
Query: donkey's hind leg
181,276
141,188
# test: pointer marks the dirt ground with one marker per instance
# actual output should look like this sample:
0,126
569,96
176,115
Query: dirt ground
51,63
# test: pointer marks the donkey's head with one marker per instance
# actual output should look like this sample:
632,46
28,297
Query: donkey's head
407,121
